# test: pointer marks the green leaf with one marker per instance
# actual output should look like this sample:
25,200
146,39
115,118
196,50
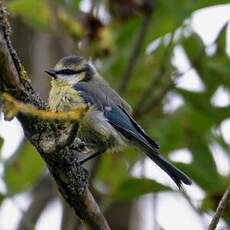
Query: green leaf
194,48
23,169
195,51
135,187
70,5
221,66
171,14
183,8
34,13
206,3
174,137
221,40
161,23
112,170
203,168
201,102
73,26
1,142
127,31
2,197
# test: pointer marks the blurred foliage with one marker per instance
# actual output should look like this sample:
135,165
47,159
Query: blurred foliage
108,39
71,25
35,13
23,169
1,142
134,187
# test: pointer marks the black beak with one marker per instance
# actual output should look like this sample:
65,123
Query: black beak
51,72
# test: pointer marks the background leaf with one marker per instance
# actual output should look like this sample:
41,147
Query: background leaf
1,142
23,169
135,187
35,13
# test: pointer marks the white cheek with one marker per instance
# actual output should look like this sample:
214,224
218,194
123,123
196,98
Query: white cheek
70,79
73,79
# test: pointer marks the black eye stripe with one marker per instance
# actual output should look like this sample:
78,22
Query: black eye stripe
70,71
66,72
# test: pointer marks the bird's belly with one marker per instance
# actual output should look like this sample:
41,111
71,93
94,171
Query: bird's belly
94,128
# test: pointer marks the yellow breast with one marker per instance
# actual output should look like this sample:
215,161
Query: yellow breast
63,97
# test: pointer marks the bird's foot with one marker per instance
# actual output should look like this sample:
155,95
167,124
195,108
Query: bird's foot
71,157
82,146
81,162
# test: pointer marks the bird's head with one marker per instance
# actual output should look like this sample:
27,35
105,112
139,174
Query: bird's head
71,70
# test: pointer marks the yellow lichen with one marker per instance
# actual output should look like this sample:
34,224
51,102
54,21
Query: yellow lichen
12,108
23,74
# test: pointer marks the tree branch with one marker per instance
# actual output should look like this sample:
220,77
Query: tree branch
135,52
70,177
162,69
93,6
153,84
220,209
155,101
12,108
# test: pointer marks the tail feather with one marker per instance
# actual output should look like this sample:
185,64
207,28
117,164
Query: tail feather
137,138
139,142
178,176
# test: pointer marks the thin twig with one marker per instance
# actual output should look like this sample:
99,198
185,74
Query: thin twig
154,83
220,209
135,53
93,5
156,78
155,101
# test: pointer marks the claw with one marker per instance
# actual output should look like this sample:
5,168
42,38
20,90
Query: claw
71,158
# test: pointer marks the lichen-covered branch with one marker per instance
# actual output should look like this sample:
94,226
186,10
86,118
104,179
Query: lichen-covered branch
41,129
12,108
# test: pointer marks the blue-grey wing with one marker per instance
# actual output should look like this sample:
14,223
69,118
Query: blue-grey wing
129,128
117,116
121,120
102,93
140,130
89,97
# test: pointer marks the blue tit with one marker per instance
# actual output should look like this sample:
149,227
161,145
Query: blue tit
108,125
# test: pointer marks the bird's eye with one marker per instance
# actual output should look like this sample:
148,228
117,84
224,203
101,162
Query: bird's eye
67,72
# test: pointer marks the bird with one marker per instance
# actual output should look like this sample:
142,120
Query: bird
108,124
